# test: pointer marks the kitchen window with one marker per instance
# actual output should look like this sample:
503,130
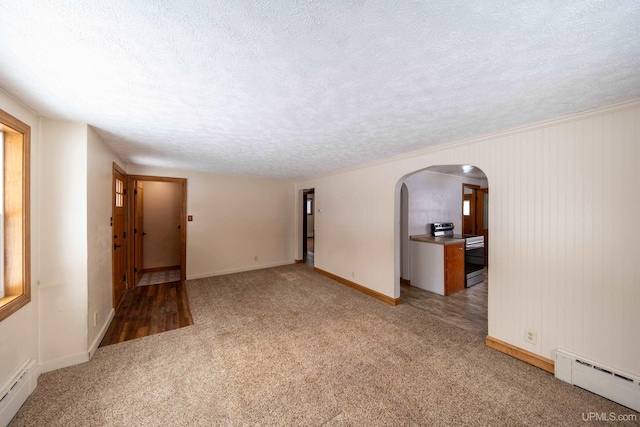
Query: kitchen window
15,270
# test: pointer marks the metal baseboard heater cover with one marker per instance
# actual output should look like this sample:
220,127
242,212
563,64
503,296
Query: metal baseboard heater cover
16,390
607,382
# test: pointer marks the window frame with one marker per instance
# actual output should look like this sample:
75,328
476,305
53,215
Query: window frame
17,224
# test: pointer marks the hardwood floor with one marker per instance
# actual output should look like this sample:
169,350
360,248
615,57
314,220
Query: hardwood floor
148,310
466,309
310,252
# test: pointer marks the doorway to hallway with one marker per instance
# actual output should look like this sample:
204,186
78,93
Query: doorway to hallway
158,247
308,227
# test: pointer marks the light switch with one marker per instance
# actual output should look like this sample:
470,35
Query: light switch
190,218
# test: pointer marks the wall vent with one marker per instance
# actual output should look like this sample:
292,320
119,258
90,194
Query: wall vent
598,378
16,391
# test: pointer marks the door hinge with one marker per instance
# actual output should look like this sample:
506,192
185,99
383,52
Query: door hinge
135,270
135,192
124,278
135,231
124,234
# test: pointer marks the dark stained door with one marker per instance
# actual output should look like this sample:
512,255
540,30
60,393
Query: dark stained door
118,228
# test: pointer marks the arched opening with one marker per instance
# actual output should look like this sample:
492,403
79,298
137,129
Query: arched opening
445,275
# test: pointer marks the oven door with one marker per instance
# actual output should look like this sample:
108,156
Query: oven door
474,265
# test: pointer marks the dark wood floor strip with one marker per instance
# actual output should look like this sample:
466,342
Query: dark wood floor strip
148,310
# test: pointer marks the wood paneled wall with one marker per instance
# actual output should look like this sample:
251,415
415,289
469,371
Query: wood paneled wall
563,226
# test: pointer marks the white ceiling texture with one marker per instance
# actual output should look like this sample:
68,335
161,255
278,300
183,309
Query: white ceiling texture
293,89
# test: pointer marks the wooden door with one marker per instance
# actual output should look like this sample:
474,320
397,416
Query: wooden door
138,230
469,208
482,220
118,228
469,214
454,273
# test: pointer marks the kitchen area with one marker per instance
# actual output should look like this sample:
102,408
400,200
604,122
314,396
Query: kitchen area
444,262
444,242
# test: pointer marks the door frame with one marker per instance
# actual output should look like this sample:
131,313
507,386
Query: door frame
138,232
474,187
183,220
483,232
305,193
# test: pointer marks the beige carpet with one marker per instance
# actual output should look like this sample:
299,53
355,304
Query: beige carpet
286,346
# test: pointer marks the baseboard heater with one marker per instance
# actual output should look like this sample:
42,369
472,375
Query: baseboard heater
16,391
607,382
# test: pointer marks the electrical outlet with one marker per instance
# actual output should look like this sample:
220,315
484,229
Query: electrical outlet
530,336
95,319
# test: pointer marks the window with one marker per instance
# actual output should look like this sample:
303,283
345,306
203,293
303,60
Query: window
466,207
119,193
15,139
309,206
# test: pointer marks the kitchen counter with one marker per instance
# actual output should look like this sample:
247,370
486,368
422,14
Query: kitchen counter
437,267
427,238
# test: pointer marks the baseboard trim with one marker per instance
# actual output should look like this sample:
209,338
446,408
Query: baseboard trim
237,270
103,331
66,361
299,261
521,354
158,269
363,289
405,282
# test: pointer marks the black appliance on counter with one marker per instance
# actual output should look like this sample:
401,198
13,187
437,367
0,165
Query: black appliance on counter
473,254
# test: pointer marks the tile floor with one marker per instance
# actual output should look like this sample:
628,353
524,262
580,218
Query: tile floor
157,277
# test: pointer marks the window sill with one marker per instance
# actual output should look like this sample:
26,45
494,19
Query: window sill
11,304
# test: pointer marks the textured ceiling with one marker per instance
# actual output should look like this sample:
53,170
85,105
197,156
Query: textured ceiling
296,89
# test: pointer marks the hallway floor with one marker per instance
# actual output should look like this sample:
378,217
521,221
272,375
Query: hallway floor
157,277
310,252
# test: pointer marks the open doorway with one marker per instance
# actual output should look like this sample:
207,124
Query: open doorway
308,227
158,227
475,214
426,265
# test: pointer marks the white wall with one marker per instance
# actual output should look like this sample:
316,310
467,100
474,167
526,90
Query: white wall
162,203
19,332
562,223
435,197
235,219
63,232
99,241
